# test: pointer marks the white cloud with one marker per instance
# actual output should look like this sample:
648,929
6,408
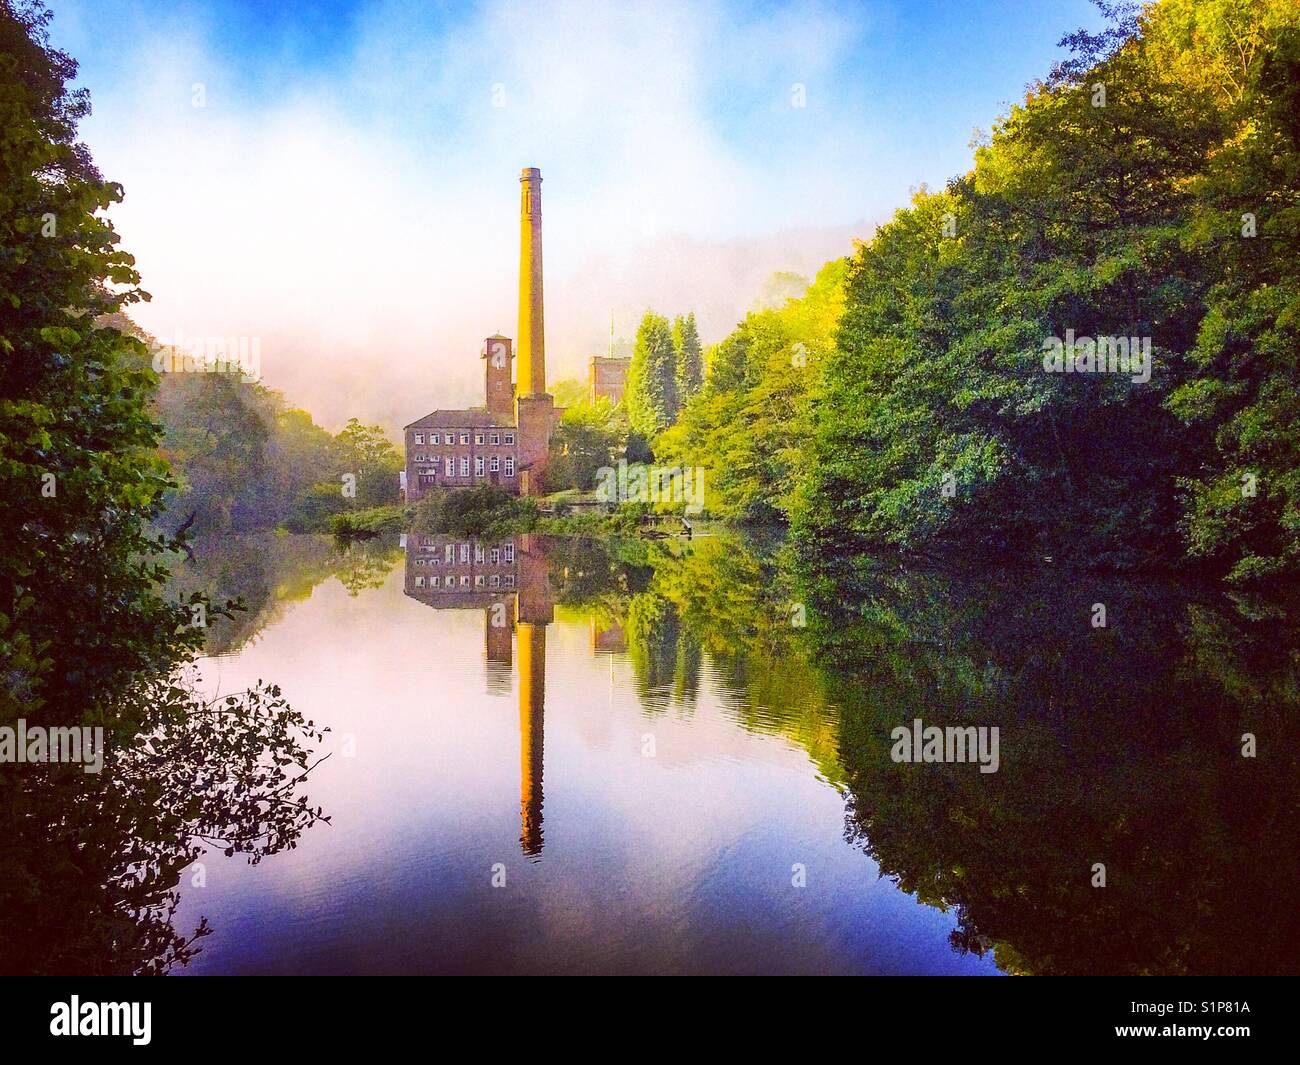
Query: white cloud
363,221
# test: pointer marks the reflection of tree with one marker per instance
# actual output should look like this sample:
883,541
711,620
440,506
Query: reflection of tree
724,595
598,574
90,863
265,572
366,564
658,648
1119,745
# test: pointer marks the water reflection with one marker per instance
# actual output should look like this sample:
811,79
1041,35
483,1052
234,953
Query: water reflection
1122,746
509,581
770,683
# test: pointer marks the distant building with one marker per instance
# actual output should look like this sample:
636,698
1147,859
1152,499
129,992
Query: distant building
463,448
507,441
608,378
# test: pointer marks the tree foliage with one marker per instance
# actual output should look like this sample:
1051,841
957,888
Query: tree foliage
690,357
747,424
589,436
89,636
1148,189
651,393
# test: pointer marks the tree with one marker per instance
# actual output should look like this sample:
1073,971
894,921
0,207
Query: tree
80,476
365,451
1111,203
651,394
589,436
690,357
746,426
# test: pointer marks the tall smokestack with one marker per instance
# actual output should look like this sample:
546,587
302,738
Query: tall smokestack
532,334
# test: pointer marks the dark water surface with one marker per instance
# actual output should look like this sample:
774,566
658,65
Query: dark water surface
593,757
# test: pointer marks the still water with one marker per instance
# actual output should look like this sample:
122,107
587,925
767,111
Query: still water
571,757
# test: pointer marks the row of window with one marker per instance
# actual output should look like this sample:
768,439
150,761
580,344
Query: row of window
496,580
495,555
450,438
449,464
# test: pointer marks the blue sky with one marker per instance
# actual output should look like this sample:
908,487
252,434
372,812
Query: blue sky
347,190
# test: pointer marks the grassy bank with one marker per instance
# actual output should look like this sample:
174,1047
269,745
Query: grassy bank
375,521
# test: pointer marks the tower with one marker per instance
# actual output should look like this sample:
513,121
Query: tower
498,385
532,331
534,409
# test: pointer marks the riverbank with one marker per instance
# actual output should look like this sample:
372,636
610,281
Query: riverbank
490,513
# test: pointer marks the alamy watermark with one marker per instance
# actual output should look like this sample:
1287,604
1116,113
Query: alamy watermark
78,1018
21,743
952,743
192,354
1130,355
651,484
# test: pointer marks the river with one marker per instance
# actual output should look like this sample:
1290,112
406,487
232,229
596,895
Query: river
671,757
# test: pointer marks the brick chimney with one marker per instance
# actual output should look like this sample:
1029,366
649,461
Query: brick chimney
534,408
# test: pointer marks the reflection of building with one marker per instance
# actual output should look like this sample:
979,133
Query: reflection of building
507,441
507,580
608,378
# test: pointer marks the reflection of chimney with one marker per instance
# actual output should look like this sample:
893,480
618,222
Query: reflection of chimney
532,333
532,705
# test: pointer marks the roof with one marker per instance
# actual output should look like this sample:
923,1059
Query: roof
474,418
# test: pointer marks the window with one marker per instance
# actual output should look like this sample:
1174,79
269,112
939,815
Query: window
510,465
494,581
464,552
433,438
450,554
478,438
419,438
451,466
495,556
464,581
494,464
510,554
419,582
464,438
495,438
464,465
434,582
419,458
510,438
478,465
478,580
510,580
478,552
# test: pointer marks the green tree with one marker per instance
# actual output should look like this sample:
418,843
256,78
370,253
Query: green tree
79,470
364,450
589,436
747,425
690,357
1109,204
651,394
88,635
779,289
